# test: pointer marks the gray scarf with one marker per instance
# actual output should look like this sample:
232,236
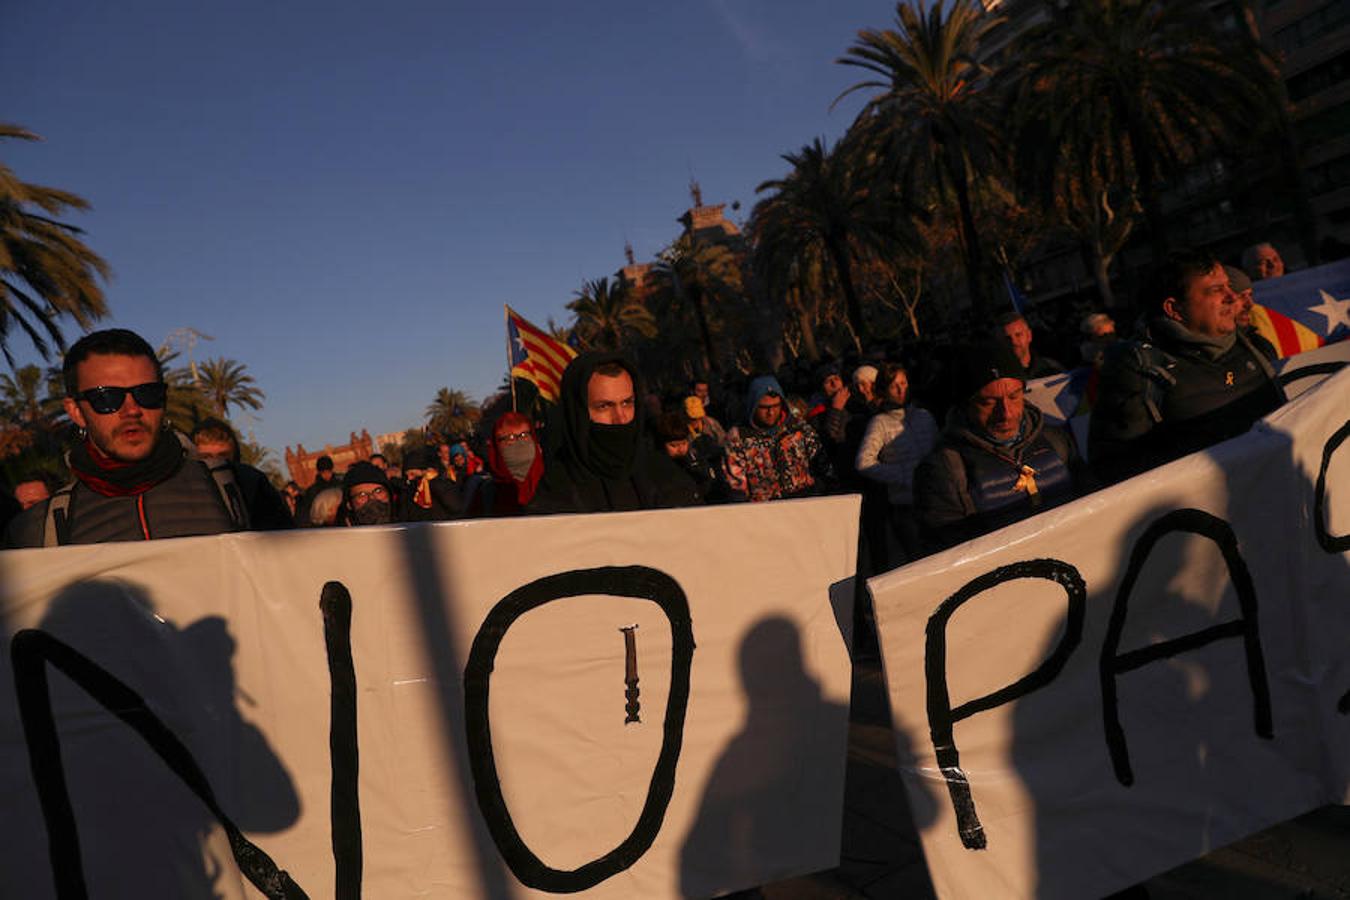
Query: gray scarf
1210,347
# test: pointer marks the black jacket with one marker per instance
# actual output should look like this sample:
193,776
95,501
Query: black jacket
577,480
1170,393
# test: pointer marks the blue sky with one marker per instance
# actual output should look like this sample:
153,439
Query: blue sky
335,185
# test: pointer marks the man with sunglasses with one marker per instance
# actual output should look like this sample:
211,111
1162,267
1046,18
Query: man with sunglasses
135,479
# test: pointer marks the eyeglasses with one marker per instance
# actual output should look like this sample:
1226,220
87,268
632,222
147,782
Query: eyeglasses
107,400
361,498
516,436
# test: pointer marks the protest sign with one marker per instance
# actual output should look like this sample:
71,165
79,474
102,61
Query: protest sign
645,704
1122,684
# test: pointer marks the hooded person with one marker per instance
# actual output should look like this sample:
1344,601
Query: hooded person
516,464
776,454
997,462
604,460
428,495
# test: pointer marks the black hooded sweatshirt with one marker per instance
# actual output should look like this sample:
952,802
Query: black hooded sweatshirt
606,468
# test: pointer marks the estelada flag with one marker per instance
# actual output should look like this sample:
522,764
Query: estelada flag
1305,310
536,355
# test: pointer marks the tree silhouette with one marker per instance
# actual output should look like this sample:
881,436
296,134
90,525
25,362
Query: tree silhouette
1133,92
933,123
46,272
452,413
225,383
607,316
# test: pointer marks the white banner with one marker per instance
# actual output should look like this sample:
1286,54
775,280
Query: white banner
633,705
1102,692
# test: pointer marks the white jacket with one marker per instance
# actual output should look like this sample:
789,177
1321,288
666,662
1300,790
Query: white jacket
892,447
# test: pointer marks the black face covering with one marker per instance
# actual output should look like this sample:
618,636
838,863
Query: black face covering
375,512
613,449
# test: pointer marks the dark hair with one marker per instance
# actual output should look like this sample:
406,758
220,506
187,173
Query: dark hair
611,370
1173,276
672,426
323,463
109,342
1007,319
375,456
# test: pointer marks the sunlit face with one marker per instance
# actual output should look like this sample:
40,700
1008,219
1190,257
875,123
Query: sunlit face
769,410
30,493
214,450
1018,333
677,449
701,392
865,388
610,400
898,390
833,384
1209,307
1103,329
127,434
1269,264
998,407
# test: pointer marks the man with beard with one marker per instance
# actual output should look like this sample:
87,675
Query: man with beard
605,461
135,479
365,491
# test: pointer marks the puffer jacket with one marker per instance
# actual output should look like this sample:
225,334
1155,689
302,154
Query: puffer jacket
970,486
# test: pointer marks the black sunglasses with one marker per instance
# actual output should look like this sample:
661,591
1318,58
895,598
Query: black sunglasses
105,400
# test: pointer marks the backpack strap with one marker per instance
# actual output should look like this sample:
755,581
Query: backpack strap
56,528
1156,367
227,485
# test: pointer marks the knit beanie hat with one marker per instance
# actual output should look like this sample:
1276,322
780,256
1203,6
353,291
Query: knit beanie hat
981,365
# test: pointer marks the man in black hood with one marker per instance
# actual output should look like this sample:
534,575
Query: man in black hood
604,459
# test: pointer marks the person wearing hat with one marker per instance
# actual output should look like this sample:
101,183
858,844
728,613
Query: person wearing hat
1190,380
997,462
701,424
366,495
1242,287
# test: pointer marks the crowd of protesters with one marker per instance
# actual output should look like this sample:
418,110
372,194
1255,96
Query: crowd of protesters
942,448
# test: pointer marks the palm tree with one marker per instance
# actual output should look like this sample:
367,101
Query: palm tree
224,383
1131,93
695,272
452,413
932,122
607,316
26,398
46,271
821,211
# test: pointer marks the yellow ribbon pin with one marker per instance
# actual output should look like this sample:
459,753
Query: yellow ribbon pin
1026,481
1228,379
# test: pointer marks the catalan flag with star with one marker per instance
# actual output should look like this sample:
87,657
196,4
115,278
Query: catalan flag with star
536,355
1304,310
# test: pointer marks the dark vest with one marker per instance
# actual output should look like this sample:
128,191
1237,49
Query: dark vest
992,481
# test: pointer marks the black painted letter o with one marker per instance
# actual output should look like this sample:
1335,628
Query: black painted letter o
642,583
1331,543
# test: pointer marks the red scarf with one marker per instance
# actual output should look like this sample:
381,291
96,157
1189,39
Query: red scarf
113,478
